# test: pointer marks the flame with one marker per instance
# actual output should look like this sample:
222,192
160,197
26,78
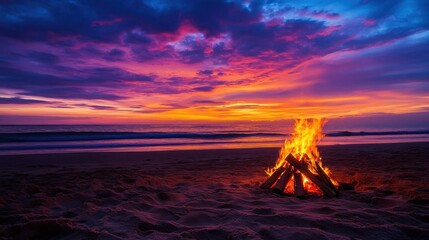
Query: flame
303,146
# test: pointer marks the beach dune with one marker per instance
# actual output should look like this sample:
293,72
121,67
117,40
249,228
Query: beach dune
212,194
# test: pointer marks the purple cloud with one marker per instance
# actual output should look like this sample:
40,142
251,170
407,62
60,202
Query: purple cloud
43,57
78,84
18,100
72,93
204,88
115,55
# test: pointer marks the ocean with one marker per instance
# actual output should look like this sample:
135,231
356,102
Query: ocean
30,139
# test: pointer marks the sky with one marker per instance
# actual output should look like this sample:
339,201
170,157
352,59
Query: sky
97,62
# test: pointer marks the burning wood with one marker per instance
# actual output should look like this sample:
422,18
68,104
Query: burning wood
325,177
316,179
300,158
298,186
284,179
273,178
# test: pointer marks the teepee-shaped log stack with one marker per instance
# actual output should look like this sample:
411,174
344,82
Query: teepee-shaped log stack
279,179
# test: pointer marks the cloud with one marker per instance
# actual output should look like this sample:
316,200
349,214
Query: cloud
213,17
255,39
96,107
400,67
115,55
43,57
31,119
86,21
18,100
161,108
203,89
76,84
142,53
209,102
205,72
230,28
72,93
174,105
137,37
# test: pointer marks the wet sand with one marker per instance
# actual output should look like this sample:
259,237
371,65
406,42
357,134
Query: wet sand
212,194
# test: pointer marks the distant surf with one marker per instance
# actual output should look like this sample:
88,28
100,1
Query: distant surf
351,134
94,136
76,138
88,136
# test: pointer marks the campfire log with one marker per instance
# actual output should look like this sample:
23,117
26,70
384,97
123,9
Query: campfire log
273,178
298,185
322,174
327,190
284,179
325,177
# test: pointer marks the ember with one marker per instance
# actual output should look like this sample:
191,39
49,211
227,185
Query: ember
299,169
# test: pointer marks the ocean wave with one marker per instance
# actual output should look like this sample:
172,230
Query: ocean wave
93,136
353,134
101,145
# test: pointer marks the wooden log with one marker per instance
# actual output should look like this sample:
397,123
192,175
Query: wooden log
298,185
305,161
328,191
284,179
325,177
273,178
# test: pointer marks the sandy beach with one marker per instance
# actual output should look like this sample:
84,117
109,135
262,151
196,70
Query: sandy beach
212,194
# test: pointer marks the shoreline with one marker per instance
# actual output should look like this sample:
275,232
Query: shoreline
204,149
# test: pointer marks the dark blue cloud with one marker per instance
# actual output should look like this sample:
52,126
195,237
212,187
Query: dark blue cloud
105,21
17,100
43,57
142,53
76,84
193,56
254,39
137,38
115,55
87,20
206,72
203,89
213,17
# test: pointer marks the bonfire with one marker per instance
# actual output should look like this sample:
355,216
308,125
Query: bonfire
298,169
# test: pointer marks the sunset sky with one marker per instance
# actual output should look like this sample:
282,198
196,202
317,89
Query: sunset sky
150,61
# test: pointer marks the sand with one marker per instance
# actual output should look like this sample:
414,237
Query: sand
212,194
